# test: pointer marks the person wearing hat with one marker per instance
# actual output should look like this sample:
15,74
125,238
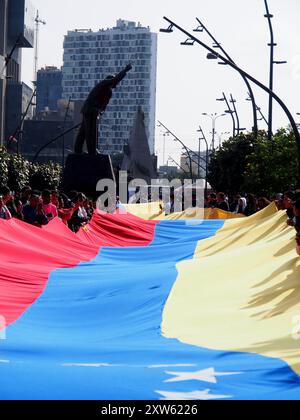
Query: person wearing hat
94,106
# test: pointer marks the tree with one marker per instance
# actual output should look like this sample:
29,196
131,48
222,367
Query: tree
45,176
16,172
4,159
260,166
227,165
273,166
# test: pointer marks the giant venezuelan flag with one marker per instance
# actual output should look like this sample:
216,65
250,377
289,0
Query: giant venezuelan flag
135,309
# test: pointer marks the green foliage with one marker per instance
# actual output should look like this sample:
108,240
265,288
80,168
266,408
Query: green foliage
46,176
258,166
16,172
4,160
227,165
273,166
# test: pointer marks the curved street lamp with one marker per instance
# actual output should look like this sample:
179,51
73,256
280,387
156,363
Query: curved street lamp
252,79
233,102
229,111
18,133
211,56
262,116
207,155
185,147
177,164
61,135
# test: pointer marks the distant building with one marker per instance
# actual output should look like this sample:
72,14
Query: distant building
18,97
46,126
91,56
167,170
49,89
16,32
198,165
36,133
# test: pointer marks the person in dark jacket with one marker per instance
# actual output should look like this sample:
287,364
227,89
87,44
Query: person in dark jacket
288,200
33,212
94,106
251,207
222,203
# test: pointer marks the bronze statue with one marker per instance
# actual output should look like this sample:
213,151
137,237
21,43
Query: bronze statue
94,106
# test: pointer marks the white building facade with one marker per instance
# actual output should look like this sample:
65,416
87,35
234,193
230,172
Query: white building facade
91,56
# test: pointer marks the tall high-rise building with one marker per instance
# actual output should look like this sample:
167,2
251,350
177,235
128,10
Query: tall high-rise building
49,89
91,56
16,32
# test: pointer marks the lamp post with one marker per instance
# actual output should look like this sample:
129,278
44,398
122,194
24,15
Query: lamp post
229,111
164,146
18,133
216,44
272,46
249,77
8,58
54,140
213,118
298,125
186,149
177,164
233,101
262,116
64,127
207,154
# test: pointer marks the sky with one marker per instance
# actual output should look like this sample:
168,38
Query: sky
187,83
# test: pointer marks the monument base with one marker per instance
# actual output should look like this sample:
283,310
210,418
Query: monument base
82,173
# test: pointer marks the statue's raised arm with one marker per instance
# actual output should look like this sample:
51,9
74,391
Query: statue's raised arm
94,106
113,81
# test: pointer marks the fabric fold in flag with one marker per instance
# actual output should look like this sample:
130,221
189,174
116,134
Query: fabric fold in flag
255,291
29,254
133,309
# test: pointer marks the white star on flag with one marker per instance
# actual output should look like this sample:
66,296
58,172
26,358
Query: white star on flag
194,395
207,375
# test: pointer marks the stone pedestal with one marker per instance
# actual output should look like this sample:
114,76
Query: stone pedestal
82,173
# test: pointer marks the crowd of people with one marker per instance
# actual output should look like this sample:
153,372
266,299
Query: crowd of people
39,208
246,205
249,205
76,210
